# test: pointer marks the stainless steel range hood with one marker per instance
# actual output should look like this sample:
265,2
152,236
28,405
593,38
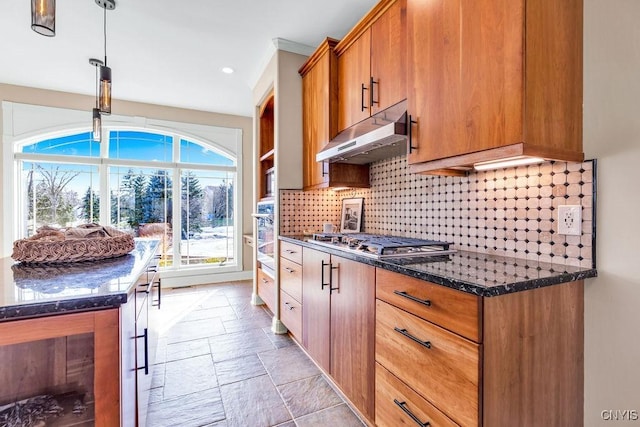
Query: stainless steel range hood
381,136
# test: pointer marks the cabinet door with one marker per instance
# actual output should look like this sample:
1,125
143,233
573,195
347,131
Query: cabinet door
128,361
389,58
316,311
491,76
354,71
353,332
433,77
143,359
318,124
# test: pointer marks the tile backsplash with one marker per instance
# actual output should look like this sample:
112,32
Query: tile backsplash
508,212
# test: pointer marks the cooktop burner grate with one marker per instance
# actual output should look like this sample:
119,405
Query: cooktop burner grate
380,246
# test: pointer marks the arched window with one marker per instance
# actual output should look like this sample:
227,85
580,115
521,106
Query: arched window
164,184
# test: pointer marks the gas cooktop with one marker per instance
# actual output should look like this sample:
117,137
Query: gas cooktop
380,246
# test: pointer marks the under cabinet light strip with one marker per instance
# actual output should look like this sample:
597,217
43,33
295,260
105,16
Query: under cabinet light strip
507,163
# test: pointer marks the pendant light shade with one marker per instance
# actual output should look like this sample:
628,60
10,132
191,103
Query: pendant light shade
105,90
43,17
97,125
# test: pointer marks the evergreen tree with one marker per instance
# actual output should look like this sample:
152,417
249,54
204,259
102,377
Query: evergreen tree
90,209
156,206
191,204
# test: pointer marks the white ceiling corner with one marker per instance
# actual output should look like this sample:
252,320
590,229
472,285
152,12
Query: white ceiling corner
166,52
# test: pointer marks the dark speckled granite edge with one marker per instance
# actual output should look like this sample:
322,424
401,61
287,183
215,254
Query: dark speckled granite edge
461,285
62,307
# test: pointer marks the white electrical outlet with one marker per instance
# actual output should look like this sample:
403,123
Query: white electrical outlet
570,220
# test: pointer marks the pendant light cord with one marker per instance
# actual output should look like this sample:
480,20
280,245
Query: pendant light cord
105,36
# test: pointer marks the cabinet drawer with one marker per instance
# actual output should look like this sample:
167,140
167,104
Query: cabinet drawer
291,314
454,310
291,278
442,367
267,289
291,252
396,404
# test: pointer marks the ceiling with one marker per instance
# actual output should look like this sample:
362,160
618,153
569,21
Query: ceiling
167,52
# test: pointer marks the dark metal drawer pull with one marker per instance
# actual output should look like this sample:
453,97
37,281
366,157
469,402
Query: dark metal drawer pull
324,264
290,306
159,300
145,335
403,406
289,270
404,332
412,298
289,251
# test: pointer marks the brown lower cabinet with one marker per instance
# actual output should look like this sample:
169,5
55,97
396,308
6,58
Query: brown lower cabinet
516,361
339,323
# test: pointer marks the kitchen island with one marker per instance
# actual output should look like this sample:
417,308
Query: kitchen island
74,332
456,339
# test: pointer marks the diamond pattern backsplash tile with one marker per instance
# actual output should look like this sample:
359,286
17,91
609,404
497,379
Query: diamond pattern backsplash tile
508,212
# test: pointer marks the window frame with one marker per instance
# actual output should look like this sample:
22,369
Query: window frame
103,162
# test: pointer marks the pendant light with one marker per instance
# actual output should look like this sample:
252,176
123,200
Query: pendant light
97,118
43,17
104,103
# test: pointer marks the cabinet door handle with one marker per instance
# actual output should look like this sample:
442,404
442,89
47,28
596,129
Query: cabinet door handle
290,306
410,123
289,270
324,264
403,406
404,332
412,298
289,251
145,335
362,89
143,291
371,83
159,300
331,288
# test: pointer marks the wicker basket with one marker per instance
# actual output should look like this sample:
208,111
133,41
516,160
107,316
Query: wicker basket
87,242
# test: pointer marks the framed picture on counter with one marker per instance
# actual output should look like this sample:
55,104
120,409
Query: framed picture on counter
351,218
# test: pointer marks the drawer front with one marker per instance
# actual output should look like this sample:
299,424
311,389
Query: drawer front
454,310
442,367
291,278
291,315
398,405
291,251
267,289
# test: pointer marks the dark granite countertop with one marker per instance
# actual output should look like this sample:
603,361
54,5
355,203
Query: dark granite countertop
471,272
28,290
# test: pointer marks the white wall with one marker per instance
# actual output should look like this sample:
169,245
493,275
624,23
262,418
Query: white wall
26,95
612,135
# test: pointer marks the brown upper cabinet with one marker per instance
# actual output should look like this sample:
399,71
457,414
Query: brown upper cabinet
372,64
320,122
493,79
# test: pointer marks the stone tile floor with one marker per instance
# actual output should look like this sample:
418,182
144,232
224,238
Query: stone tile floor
219,364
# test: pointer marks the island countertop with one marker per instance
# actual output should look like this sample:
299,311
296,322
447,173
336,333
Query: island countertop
30,290
475,273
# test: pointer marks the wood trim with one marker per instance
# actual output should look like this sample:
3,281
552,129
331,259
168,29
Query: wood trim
363,25
21,331
327,45
534,357
107,368
268,103
512,150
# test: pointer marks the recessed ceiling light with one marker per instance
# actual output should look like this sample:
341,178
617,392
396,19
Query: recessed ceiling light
227,70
